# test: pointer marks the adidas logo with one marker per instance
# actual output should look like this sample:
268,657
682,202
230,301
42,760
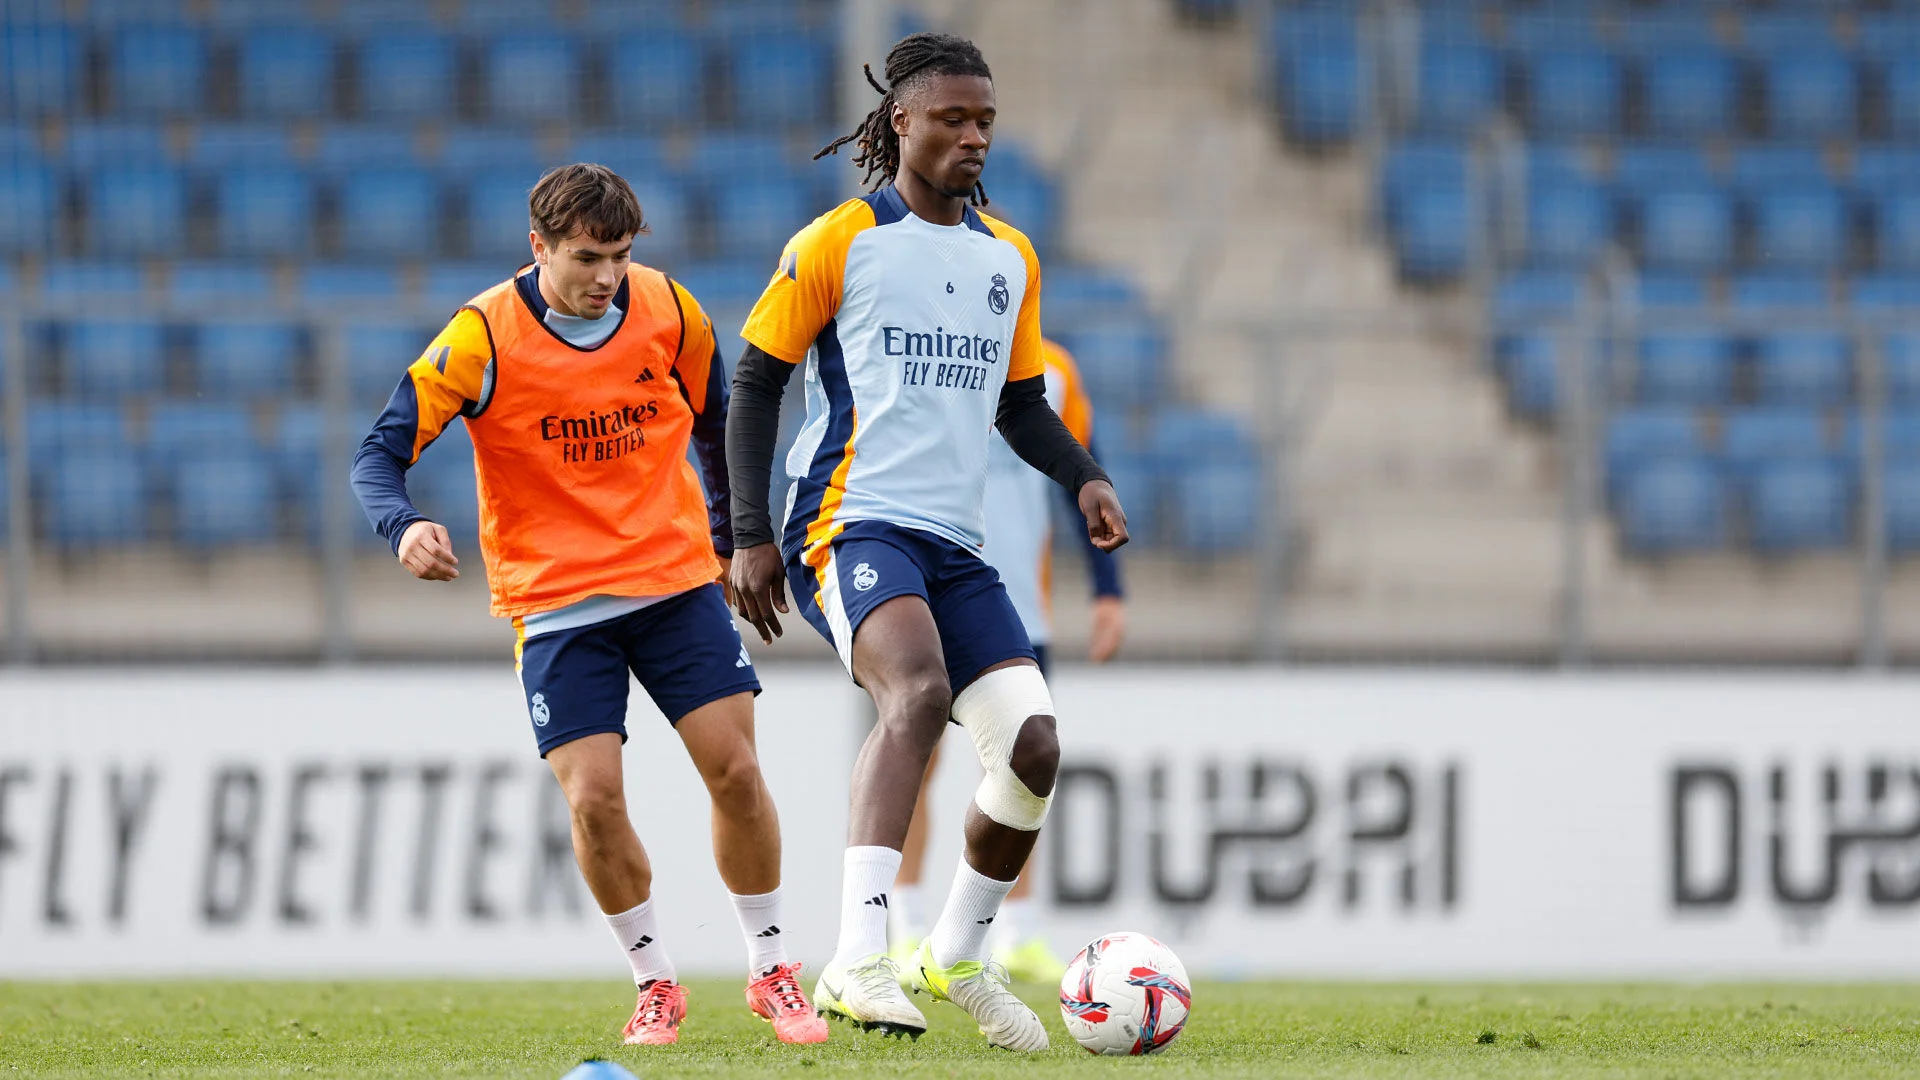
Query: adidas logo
645,940
646,375
771,931
878,901
988,921
745,660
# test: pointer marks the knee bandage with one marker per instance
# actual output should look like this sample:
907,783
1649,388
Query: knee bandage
993,710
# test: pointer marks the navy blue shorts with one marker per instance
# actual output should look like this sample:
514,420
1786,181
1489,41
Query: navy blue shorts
873,562
686,652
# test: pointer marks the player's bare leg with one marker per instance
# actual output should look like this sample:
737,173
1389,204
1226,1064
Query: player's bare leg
746,848
907,924
618,875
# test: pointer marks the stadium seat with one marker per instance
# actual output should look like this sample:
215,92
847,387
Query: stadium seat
1642,167
1761,166
622,16
1020,193
137,212
658,80
1459,85
29,208
93,145
1902,97
1319,71
757,216
1671,291
1568,223
628,155
1882,170
1526,295
778,80
343,151
1900,504
301,469
718,158
222,499
1690,91
378,355
1216,506
1636,436
1137,480
1075,293
159,70
1799,228
450,285
1803,368
1670,506
350,282
1753,437
1433,237
20,143
725,282
218,286
57,430
1811,93
286,73
1674,26
115,359
1900,367
532,78
178,429
497,215
220,147
1122,361
247,361
1899,437
1573,90
468,152
1686,227
388,212
1896,231
1781,28
406,75
96,497
1795,506
1685,368
265,210
1529,366
1885,291
41,67
442,483
92,282
1776,290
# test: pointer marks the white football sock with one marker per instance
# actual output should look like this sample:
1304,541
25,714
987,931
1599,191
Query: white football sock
907,914
639,936
760,920
865,897
1014,923
961,932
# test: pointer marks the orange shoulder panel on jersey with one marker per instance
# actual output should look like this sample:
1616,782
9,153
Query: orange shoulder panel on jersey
1076,409
694,363
1025,359
449,374
804,292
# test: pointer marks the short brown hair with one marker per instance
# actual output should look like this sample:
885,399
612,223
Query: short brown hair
588,198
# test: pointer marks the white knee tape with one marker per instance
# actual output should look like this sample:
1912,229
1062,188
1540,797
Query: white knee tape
992,710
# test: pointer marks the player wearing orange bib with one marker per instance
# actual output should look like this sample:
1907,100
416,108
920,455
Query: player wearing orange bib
581,380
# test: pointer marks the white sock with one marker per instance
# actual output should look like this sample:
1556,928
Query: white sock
865,897
639,935
961,932
907,914
760,923
1014,923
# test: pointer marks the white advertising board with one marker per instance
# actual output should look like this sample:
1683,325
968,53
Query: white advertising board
1263,823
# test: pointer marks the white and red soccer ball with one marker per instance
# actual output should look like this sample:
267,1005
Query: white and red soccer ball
1125,994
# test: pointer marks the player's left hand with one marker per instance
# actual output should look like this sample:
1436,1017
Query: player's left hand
1109,628
1106,522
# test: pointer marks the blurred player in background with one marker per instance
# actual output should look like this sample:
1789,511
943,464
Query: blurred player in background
581,379
1020,548
918,320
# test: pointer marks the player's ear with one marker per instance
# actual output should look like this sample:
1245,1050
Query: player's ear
899,119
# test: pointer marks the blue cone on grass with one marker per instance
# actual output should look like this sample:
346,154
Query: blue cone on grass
595,1069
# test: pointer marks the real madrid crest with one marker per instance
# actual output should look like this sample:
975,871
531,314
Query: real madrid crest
998,297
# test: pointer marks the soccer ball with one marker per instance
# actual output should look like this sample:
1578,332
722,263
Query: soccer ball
1125,994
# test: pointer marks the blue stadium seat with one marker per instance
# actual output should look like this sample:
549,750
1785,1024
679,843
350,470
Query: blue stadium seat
1753,437
1636,436
350,281
41,67
117,359
96,497
387,211
301,473
1215,506
1642,167
1900,367
1795,506
383,16
1530,31
223,499
179,429
378,355
1526,295
497,215
1319,71
1686,227
442,483
159,70
1762,166
218,147
1428,210
1811,93
658,80
757,216
1529,366
1137,480
1672,505
20,143
1881,170
287,73
1880,34
1573,91
1671,291
1902,97
406,75
1685,368
725,283
1690,91
247,361
628,155
57,430
29,207
137,212
107,14
1901,506
719,157
1568,224
343,151
1883,292
1122,361
1775,290
1803,368
218,286
623,16
1799,228
1459,86
1020,193
469,151
779,79
93,145
532,78
92,282
1899,437
451,284
1896,231
265,210
1675,26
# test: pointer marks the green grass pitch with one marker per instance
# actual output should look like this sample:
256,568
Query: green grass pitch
541,1029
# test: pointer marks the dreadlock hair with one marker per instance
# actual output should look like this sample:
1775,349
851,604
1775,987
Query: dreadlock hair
912,58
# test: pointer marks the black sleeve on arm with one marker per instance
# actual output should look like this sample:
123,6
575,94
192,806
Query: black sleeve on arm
1035,432
710,446
753,426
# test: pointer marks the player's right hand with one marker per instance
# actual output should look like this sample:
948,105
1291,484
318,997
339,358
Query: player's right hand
760,588
427,551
